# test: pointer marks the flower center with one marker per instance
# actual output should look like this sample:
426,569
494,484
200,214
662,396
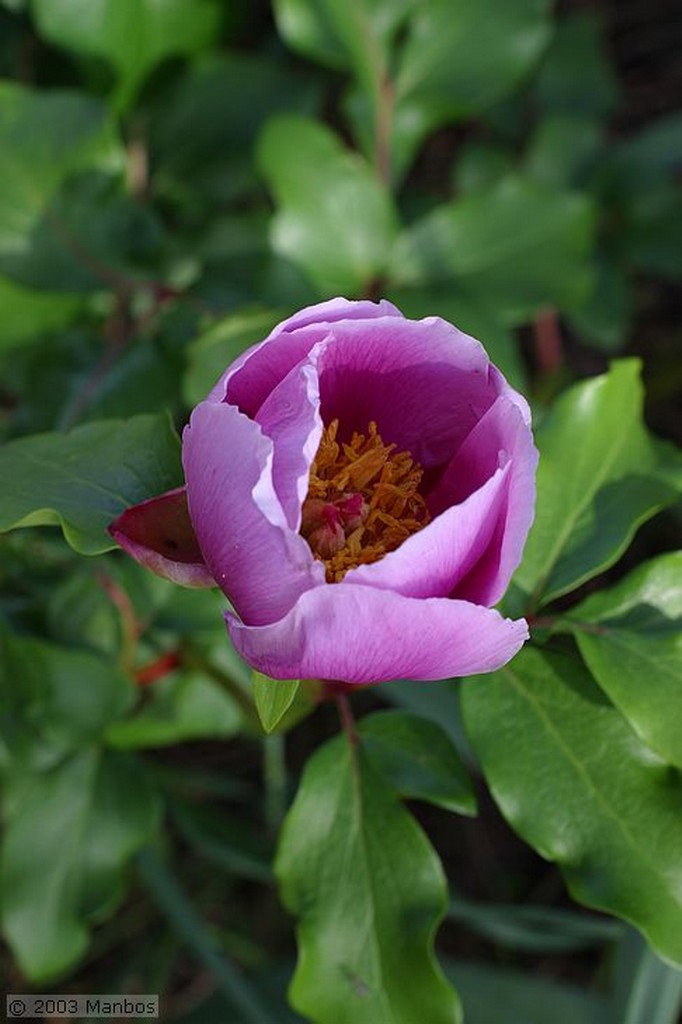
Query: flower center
363,500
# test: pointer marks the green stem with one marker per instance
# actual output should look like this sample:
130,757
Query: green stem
189,925
347,720
275,775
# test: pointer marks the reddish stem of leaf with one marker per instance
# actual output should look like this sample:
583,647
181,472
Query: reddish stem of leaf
130,626
162,666
548,342
347,720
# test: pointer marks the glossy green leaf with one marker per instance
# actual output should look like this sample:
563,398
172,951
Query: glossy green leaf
342,34
82,480
575,782
436,702
213,351
69,834
418,759
133,35
334,219
368,892
597,482
273,698
631,638
53,699
459,58
515,245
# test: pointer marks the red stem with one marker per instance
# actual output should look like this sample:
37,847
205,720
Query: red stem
347,720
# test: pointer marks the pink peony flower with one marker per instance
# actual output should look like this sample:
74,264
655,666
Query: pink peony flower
360,486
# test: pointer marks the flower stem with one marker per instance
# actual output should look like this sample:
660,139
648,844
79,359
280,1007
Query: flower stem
548,342
347,720
275,777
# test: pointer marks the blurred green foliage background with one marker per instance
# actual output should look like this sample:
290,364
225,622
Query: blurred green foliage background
175,177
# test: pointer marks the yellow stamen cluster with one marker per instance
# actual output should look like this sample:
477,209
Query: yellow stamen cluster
363,500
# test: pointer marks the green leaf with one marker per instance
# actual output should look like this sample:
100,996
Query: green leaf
342,33
651,234
89,236
434,701
460,58
562,150
82,480
133,35
28,315
215,160
53,700
44,138
652,153
534,929
516,246
273,698
213,351
573,780
647,991
605,318
368,890
631,638
417,758
576,76
186,706
80,612
526,998
69,834
334,218
480,165
597,482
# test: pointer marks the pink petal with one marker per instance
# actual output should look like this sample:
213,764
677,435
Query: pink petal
425,383
259,563
501,437
290,417
158,533
432,562
249,380
360,634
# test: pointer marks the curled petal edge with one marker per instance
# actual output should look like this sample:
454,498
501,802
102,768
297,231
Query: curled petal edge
360,634
158,534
